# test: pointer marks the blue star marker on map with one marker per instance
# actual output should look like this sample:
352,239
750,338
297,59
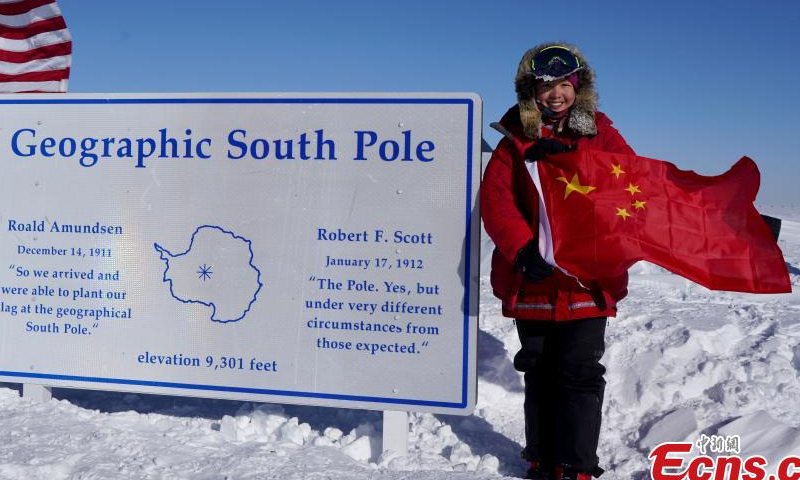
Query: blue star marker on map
204,272
230,290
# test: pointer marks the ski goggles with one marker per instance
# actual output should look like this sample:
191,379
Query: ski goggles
554,62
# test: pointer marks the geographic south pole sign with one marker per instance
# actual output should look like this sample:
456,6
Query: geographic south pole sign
294,248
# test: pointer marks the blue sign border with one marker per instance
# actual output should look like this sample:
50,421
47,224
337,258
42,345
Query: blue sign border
329,396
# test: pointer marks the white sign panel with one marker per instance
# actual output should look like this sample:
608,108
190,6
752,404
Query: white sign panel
303,248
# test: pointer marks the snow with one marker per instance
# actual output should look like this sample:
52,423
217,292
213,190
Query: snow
682,361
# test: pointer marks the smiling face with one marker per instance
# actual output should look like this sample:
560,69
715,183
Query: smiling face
557,95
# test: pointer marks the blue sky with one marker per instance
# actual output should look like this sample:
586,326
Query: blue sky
697,83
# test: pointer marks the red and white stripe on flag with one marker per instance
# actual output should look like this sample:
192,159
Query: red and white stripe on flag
35,47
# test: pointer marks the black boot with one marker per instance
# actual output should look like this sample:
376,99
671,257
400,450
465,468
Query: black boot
565,473
537,472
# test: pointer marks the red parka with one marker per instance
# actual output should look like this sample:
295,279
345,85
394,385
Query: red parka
509,208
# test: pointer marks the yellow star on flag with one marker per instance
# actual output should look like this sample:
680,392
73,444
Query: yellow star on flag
574,185
617,170
623,212
633,188
639,205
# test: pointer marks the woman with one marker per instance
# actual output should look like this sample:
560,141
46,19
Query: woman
561,323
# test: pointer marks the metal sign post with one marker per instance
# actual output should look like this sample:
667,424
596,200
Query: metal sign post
36,393
395,432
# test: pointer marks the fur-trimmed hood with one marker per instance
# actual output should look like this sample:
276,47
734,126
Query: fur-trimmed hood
581,115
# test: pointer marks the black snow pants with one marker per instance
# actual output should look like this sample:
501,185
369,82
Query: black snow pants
563,390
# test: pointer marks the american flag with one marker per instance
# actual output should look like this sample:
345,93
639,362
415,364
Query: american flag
35,47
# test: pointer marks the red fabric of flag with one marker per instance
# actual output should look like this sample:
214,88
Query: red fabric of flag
35,47
602,212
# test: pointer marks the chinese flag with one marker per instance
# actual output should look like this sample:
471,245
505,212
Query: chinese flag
602,212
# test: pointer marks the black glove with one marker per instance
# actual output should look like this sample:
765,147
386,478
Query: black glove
774,225
544,147
531,263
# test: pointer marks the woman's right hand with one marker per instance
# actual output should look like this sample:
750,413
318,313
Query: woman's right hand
544,147
530,262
